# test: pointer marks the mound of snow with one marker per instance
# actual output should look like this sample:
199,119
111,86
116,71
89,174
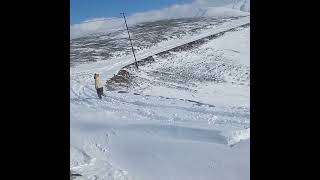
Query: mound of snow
239,135
78,157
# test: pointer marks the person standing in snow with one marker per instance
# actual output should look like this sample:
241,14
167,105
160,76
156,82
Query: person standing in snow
98,86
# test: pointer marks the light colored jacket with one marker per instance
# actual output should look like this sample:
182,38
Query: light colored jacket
98,82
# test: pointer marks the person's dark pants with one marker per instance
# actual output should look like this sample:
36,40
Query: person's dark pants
100,92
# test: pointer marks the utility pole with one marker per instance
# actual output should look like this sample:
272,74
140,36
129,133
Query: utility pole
134,55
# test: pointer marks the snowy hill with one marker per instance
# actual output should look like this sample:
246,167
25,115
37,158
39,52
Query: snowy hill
194,69
184,114
105,46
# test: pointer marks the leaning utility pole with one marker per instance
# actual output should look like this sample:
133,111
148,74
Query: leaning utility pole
124,17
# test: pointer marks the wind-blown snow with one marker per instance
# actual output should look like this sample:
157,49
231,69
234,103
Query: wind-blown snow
158,132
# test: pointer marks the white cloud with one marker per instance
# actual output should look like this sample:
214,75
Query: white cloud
95,25
218,8
215,3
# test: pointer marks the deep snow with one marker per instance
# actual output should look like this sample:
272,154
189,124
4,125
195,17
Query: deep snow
162,133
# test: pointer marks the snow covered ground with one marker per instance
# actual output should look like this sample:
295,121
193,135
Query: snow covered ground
146,36
218,72
188,117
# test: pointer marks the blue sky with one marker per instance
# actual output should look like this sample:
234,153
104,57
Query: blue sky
82,10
